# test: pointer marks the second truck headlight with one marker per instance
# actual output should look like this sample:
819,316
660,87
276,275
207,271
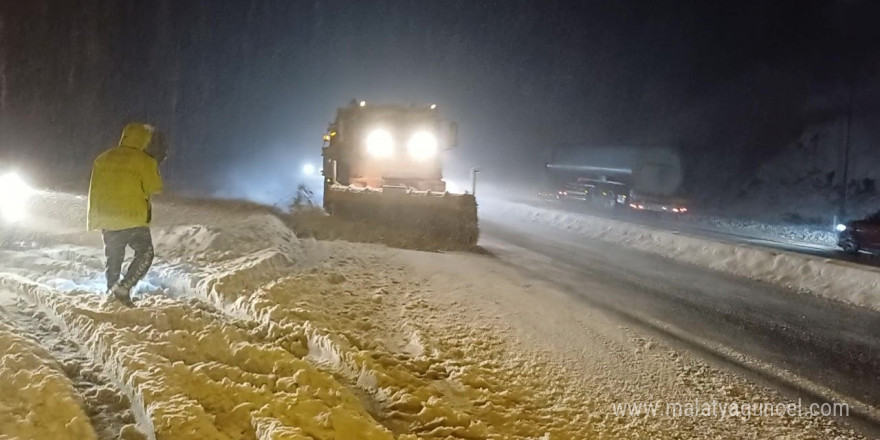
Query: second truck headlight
422,145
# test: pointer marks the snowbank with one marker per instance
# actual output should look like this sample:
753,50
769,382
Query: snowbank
788,233
213,241
260,335
192,375
839,280
188,372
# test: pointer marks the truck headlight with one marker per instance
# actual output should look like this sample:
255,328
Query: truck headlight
380,144
422,145
14,194
840,228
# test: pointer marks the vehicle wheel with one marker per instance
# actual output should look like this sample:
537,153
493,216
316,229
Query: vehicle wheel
850,247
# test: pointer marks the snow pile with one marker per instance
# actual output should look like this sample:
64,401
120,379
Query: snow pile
213,242
856,284
774,232
37,401
791,231
232,257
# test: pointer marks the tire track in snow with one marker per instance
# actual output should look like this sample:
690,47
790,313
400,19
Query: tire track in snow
191,375
107,407
37,399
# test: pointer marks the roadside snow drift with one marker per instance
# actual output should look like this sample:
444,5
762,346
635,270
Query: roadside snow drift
838,280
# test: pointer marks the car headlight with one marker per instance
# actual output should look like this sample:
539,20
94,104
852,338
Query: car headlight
422,145
380,144
840,228
14,193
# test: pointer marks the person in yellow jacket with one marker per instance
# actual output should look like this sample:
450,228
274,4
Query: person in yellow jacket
123,180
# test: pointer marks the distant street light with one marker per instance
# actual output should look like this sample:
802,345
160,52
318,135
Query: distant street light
474,172
308,169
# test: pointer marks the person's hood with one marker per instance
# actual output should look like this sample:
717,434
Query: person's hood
136,135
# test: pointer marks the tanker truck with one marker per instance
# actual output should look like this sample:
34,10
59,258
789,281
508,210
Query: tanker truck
648,177
382,167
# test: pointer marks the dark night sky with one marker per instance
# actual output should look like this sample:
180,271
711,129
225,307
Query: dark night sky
245,88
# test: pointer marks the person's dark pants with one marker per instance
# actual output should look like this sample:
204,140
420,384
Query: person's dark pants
115,242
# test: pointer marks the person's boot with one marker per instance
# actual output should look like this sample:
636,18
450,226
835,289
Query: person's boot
122,294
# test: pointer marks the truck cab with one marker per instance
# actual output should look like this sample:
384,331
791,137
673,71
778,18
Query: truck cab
388,145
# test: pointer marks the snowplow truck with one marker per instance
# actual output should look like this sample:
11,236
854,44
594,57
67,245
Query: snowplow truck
382,168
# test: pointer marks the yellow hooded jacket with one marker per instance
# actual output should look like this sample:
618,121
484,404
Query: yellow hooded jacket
123,179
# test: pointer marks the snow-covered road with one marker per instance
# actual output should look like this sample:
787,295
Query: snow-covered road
798,342
244,331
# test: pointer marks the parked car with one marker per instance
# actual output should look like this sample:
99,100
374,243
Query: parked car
657,204
560,194
860,235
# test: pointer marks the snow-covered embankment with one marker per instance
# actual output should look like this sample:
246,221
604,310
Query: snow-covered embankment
834,279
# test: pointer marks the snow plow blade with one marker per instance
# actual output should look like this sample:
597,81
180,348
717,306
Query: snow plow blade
407,218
